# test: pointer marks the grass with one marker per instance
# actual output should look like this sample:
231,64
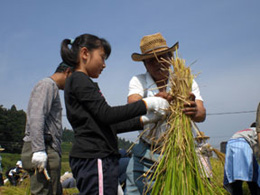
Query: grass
9,160
24,188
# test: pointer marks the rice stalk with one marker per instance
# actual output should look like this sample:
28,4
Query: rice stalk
178,169
220,155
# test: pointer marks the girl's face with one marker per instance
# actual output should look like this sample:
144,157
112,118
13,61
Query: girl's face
94,62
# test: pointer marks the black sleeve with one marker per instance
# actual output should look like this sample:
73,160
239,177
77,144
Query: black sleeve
127,126
89,94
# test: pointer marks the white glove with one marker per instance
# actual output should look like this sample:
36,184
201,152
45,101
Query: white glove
151,117
39,160
156,104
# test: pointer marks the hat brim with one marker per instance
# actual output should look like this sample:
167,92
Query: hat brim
204,137
141,57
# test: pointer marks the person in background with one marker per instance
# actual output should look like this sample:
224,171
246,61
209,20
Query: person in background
13,174
204,152
123,162
258,128
1,169
94,154
240,162
41,152
150,84
67,180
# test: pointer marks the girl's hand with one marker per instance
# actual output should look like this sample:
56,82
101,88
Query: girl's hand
156,104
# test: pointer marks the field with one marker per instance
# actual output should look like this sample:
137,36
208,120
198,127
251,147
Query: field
9,160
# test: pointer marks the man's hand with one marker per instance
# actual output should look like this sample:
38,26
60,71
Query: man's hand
190,108
165,95
39,159
195,109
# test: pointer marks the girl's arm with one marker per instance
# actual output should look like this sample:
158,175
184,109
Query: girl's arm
90,96
127,126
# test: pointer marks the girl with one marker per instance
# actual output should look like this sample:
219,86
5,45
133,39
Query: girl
94,154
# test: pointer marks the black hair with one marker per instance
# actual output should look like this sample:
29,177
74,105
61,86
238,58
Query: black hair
253,124
70,54
63,67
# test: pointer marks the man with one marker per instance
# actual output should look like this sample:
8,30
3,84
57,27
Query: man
240,162
41,153
123,162
154,83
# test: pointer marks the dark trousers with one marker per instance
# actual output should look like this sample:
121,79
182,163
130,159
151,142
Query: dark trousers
39,183
1,179
95,175
13,179
235,188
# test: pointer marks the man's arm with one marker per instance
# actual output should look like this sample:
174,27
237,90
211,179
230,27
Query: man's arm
38,110
134,98
200,114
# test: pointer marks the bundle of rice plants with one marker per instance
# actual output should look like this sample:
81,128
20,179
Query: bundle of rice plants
177,171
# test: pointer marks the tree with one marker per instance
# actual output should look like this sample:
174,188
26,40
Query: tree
67,135
12,125
124,144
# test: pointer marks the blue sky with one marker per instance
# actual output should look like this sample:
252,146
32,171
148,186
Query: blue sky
221,36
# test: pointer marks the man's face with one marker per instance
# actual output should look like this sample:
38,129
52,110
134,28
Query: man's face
157,68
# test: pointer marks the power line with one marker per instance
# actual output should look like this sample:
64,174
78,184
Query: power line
218,113
225,113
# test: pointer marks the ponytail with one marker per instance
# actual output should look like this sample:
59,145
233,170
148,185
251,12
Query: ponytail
68,55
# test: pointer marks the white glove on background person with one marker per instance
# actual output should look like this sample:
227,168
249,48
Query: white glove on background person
151,117
156,104
39,160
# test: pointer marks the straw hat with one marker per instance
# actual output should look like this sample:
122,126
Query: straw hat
151,45
202,136
1,149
